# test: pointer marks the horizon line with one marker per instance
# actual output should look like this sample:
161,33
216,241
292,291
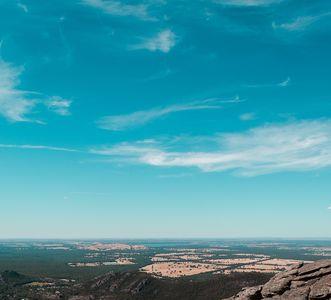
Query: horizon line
165,238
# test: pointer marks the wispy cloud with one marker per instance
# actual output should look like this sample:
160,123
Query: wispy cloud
299,146
248,3
16,104
139,118
118,8
247,117
59,105
159,75
283,83
163,41
37,147
23,7
300,23
329,207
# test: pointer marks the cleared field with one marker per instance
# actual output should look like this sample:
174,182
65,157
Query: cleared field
179,269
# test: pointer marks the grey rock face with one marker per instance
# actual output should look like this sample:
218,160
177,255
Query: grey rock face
302,282
251,293
321,289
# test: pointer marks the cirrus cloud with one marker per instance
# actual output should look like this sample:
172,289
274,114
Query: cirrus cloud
59,105
118,8
37,147
299,146
254,3
16,104
139,118
300,23
163,41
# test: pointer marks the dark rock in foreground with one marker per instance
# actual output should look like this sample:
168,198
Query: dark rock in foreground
302,282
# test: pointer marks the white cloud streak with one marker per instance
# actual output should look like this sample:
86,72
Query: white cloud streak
283,83
293,147
248,3
299,146
37,147
163,41
139,118
117,8
300,23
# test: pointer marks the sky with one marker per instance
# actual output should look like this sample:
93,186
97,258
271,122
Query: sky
165,119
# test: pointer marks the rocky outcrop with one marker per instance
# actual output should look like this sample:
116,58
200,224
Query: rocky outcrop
302,282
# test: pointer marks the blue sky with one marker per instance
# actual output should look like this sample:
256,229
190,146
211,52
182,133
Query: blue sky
137,119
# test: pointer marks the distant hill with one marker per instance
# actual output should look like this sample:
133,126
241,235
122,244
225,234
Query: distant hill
13,278
302,282
127,286
10,281
137,285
